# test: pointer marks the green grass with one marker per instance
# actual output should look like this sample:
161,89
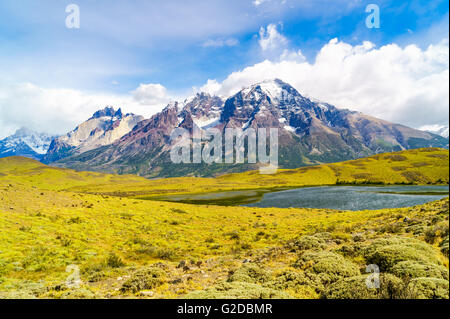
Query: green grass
51,218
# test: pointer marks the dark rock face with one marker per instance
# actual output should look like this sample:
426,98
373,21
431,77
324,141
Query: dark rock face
108,112
309,132
203,105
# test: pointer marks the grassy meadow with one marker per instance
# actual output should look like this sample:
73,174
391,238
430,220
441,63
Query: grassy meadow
69,234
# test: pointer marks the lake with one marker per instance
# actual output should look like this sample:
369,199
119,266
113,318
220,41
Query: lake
353,197
332,197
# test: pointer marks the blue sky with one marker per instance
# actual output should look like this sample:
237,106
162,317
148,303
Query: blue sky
181,44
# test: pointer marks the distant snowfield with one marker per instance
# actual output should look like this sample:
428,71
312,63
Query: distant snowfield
37,142
441,130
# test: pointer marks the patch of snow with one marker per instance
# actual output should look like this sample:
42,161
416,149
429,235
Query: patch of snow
323,107
289,128
38,142
441,130
205,123
272,89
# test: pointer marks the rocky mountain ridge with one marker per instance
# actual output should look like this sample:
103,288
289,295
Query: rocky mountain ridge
27,143
310,132
103,128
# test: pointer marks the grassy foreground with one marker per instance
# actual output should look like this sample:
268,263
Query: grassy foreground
118,246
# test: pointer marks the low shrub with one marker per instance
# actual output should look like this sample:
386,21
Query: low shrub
329,266
114,261
94,272
250,273
308,242
434,233
350,288
413,269
391,287
430,288
303,284
144,279
387,252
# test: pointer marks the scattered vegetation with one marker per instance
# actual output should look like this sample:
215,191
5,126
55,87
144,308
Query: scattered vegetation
123,246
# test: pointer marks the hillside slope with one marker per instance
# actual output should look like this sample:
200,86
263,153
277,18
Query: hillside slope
421,166
130,248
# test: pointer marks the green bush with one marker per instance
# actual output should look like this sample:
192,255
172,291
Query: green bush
301,282
435,232
148,278
329,266
94,272
308,242
413,269
238,290
391,287
430,288
387,252
114,261
350,250
350,288
250,273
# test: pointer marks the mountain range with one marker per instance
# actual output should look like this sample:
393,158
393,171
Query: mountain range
27,143
310,132
103,128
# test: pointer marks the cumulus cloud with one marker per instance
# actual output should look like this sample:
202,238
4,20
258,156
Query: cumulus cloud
270,38
406,85
211,86
220,42
57,111
149,94
289,55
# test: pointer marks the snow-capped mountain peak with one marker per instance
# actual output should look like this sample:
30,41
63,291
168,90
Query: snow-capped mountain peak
276,90
25,142
204,109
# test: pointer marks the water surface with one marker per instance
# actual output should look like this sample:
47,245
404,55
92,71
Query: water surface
332,197
352,197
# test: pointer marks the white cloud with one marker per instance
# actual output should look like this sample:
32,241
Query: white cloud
149,94
270,38
406,85
56,111
289,55
257,3
217,43
212,87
